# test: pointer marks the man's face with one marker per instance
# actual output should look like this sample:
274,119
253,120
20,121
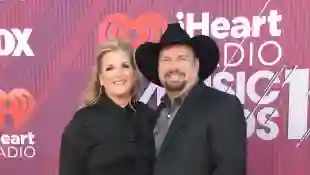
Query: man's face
177,67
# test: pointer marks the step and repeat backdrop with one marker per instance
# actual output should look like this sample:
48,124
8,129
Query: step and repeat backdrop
47,51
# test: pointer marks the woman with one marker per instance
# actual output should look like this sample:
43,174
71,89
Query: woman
112,134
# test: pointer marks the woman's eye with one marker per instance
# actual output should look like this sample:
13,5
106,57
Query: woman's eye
109,68
126,66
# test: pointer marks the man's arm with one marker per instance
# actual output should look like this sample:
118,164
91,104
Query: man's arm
228,139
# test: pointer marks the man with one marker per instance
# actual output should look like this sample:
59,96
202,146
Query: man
199,130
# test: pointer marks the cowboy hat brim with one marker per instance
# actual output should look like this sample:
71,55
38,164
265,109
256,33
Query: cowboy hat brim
205,49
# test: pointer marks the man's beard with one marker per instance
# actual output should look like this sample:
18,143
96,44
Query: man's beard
175,87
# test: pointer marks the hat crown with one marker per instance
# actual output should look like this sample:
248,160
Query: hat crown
174,34
204,48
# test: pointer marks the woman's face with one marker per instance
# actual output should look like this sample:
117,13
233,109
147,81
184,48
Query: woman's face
117,74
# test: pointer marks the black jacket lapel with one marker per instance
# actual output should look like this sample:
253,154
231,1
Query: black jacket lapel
182,116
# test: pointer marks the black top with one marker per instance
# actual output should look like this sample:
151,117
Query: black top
106,139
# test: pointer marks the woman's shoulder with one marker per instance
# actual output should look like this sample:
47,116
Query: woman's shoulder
146,113
84,113
141,107
80,120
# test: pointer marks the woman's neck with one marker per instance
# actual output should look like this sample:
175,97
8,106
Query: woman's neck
121,100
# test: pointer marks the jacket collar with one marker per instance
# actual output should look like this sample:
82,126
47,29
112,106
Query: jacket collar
107,103
183,115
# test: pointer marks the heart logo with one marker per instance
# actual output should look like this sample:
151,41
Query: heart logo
18,103
147,27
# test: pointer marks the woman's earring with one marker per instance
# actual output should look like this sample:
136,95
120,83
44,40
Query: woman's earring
100,91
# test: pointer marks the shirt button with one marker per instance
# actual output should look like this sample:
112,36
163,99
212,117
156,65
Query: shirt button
156,130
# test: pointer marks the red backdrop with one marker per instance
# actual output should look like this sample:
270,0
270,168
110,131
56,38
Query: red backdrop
47,51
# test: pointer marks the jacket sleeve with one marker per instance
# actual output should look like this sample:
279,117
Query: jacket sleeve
229,140
75,145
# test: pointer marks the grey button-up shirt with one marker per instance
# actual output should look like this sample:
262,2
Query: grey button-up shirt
167,115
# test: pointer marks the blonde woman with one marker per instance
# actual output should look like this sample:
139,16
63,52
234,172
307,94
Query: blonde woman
112,134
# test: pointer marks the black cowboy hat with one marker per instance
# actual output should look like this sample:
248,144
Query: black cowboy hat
205,49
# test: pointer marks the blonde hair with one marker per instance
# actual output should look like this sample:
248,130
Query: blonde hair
94,88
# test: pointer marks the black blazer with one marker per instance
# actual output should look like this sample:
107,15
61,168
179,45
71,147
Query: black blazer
206,137
105,139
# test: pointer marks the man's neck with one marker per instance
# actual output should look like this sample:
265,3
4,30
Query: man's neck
174,95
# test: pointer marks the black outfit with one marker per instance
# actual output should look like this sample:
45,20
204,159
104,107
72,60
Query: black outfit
207,136
105,139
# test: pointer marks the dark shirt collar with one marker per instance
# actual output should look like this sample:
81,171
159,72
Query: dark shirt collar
175,102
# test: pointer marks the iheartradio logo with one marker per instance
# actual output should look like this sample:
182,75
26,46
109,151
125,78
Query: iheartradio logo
17,106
